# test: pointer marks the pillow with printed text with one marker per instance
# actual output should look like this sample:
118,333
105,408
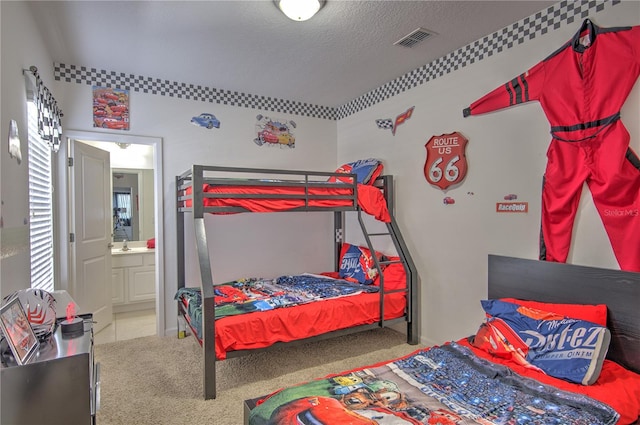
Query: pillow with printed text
366,171
357,265
560,346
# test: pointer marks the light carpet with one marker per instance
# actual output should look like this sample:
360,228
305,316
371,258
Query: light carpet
158,380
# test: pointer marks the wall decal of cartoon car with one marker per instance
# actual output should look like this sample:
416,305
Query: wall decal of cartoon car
286,139
449,200
206,120
510,197
266,136
276,135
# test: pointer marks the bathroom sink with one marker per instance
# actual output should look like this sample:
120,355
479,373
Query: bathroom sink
131,250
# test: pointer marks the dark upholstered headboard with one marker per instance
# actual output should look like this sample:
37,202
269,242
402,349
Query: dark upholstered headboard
566,283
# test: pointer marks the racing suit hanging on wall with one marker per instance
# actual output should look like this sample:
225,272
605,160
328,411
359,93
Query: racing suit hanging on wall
581,88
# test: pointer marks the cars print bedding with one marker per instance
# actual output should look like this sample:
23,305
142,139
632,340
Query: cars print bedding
255,313
256,294
447,384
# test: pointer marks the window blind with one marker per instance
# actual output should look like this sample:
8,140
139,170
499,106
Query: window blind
40,205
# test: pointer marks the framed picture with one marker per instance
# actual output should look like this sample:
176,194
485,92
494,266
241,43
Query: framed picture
110,108
18,332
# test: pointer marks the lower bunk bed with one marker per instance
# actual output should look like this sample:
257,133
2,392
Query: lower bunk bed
537,358
255,313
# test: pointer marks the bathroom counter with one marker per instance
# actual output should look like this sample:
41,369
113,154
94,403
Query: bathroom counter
132,250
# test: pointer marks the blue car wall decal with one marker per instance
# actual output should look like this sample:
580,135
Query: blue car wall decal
206,120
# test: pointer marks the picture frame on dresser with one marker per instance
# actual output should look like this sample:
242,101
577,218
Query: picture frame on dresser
18,332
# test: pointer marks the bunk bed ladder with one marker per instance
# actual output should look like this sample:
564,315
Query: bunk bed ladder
393,231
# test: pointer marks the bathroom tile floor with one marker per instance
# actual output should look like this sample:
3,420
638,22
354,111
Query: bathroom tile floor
134,324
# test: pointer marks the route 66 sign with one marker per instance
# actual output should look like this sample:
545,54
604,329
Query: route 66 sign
446,163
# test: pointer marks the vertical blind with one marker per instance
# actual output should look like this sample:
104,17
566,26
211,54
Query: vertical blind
40,205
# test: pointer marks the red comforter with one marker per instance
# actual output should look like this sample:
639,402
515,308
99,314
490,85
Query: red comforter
262,329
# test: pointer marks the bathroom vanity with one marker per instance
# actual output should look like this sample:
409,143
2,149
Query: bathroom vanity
133,275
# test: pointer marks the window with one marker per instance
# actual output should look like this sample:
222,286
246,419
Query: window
40,205
122,215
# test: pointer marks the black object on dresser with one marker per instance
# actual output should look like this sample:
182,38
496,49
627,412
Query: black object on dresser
61,385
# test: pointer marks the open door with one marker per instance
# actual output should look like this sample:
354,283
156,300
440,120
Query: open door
90,224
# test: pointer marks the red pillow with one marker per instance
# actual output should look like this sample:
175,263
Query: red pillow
394,276
590,313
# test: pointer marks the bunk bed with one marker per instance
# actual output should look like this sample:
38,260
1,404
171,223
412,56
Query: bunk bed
203,190
460,383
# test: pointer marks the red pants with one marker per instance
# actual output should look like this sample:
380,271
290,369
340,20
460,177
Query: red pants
614,183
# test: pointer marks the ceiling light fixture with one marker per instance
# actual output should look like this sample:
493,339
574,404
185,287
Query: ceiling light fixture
123,145
299,10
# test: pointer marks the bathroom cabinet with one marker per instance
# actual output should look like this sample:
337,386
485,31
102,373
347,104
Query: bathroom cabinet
133,275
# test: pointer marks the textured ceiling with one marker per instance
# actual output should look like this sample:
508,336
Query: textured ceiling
343,52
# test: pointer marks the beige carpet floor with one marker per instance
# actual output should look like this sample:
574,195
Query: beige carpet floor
158,380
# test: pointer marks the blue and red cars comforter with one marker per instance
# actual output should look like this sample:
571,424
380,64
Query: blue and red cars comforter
446,384
256,294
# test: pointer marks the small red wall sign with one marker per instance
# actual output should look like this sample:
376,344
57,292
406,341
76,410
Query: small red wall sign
512,207
446,162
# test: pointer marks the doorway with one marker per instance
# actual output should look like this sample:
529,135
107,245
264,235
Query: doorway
142,157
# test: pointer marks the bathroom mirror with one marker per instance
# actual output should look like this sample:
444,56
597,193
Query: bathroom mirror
132,204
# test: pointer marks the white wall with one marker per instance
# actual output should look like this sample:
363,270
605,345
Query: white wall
17,24
243,245
506,154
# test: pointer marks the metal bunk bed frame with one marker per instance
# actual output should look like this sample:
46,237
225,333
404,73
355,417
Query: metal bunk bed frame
195,179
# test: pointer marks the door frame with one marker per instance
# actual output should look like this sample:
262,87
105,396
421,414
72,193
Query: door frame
156,143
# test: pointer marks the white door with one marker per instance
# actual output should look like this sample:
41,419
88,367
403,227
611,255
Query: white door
90,195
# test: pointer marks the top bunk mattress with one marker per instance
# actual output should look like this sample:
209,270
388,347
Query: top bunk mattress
223,199
224,195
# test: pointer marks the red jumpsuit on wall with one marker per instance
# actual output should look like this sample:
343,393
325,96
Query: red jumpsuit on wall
581,88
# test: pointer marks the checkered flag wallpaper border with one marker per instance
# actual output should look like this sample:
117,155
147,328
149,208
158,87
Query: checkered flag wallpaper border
564,12
102,78
552,18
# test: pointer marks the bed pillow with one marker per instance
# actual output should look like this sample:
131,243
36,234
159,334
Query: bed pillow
590,313
394,275
357,265
562,347
366,171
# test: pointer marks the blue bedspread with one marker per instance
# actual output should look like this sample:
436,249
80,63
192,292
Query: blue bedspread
441,385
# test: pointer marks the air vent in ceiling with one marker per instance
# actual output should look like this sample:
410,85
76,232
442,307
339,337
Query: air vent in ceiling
415,37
